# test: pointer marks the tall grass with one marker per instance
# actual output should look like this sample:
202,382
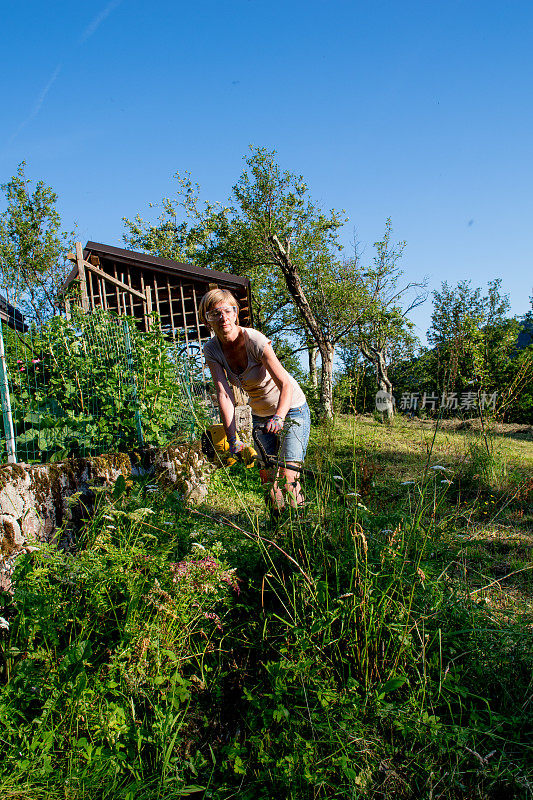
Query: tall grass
339,654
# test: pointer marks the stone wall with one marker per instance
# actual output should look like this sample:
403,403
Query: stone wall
38,503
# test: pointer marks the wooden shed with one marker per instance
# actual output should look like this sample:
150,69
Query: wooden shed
12,316
137,284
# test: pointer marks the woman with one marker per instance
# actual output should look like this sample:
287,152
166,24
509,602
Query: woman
244,357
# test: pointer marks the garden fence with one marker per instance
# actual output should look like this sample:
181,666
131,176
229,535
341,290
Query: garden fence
95,384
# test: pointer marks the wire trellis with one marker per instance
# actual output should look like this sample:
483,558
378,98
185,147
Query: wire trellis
96,384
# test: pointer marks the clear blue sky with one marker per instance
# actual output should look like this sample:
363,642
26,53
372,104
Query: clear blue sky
421,111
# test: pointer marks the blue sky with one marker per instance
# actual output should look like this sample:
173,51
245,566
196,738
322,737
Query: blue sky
421,111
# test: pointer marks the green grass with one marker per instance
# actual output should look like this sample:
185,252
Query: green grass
380,645
485,521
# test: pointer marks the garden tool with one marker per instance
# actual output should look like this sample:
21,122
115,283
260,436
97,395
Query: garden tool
270,461
216,447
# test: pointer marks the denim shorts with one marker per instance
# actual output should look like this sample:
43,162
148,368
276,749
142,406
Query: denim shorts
291,444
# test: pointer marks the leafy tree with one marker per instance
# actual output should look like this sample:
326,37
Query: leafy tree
516,400
526,328
383,333
471,334
274,233
215,237
32,247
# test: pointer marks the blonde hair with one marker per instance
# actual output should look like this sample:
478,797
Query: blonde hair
213,297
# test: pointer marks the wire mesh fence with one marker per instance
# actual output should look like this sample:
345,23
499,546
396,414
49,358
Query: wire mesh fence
95,384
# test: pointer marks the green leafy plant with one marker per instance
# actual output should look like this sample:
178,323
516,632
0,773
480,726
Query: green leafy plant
96,384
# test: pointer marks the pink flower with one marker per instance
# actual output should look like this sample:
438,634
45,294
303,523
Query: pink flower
215,618
204,573
36,361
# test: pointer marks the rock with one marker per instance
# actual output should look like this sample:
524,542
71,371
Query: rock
243,418
10,534
33,526
12,500
196,494
185,468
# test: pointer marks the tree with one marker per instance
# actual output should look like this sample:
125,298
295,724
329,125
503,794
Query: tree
383,333
32,247
215,237
272,232
471,334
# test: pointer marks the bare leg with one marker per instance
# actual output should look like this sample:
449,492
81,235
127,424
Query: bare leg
291,485
273,490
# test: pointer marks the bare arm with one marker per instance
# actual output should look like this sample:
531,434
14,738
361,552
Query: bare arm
281,378
225,398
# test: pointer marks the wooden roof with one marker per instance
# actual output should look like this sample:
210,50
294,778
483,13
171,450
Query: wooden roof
12,316
163,265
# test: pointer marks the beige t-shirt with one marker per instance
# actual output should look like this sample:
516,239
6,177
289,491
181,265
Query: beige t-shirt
256,380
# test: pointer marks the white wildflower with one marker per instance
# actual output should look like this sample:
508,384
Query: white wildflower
4,624
337,477
447,481
198,545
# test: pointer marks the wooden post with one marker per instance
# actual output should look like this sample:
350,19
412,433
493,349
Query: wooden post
104,291
145,305
116,287
89,281
149,305
100,292
196,319
110,279
129,284
156,293
171,311
81,273
184,319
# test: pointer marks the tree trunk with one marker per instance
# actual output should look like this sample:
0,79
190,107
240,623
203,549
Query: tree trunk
326,387
281,253
377,356
312,351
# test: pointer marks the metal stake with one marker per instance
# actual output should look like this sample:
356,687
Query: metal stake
11,444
